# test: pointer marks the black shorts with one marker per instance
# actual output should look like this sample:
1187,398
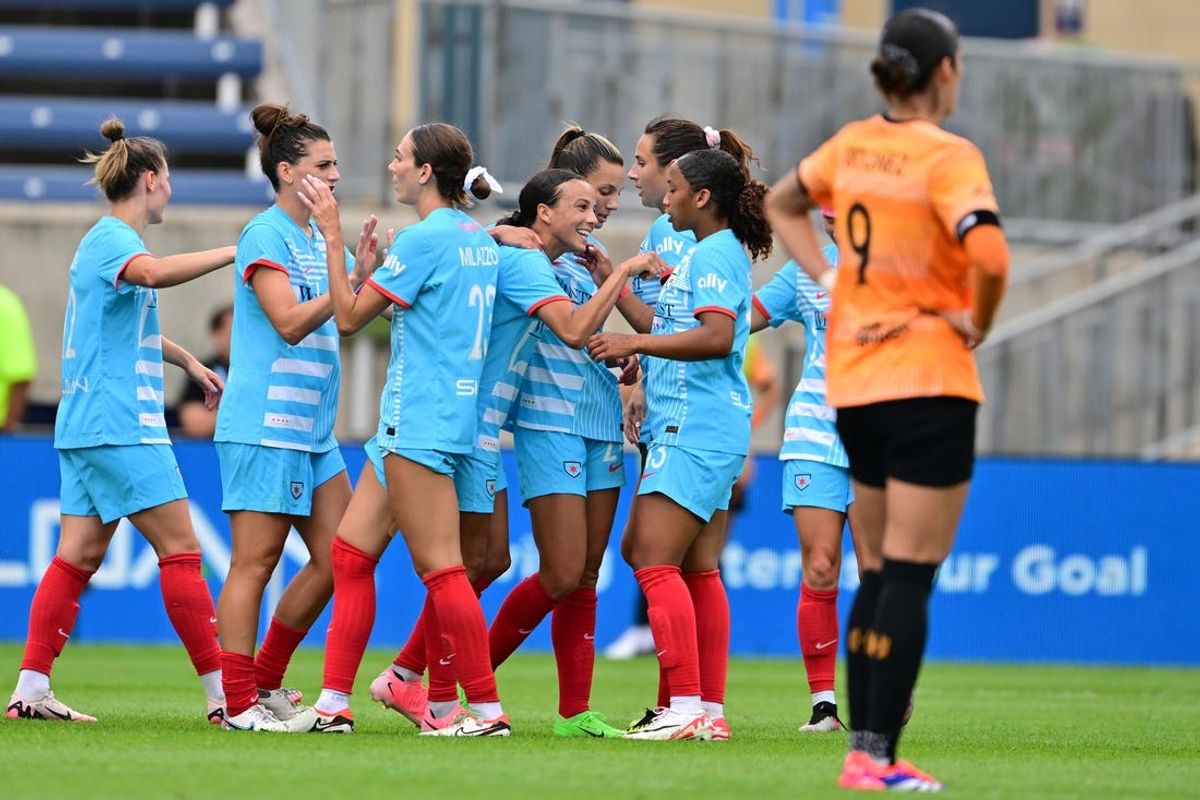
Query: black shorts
929,441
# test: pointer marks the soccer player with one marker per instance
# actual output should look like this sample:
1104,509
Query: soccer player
699,432
280,463
114,452
567,429
816,479
556,205
439,283
923,268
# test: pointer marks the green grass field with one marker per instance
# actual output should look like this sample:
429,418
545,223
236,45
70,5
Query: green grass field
987,731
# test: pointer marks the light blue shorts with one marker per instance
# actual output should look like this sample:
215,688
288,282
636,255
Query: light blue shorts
111,481
699,480
274,480
549,462
477,476
815,484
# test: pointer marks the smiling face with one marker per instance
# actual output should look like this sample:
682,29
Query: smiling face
607,179
565,226
647,174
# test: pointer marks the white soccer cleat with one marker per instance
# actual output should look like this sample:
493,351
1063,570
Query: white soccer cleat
255,718
665,724
282,703
467,724
310,720
637,640
216,711
44,708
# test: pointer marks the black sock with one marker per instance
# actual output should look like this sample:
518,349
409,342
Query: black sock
858,666
896,645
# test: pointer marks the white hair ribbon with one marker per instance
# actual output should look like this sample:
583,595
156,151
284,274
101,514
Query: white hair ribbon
477,172
711,136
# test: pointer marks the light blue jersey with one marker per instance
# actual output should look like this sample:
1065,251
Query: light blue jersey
702,405
525,282
810,431
441,274
277,394
565,390
112,365
671,246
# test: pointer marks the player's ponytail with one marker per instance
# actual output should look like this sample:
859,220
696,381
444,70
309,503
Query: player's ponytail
120,166
283,137
738,197
913,44
581,152
543,189
447,151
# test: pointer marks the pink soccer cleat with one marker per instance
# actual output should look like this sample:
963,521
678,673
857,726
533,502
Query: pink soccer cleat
409,698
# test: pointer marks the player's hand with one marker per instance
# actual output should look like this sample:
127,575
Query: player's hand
209,381
516,236
606,346
598,263
635,415
964,325
318,198
645,266
366,255
631,370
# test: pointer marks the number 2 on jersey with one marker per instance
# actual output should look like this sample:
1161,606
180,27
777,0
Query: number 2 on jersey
484,298
858,231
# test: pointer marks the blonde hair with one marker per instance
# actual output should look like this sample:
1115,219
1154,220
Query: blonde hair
120,166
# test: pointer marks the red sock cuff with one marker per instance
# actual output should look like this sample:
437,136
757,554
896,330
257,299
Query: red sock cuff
180,558
702,577
652,576
440,576
580,597
79,573
340,545
818,595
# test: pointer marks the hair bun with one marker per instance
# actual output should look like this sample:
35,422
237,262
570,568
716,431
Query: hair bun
113,129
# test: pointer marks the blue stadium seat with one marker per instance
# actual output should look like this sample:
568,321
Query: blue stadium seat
110,5
45,123
46,52
70,184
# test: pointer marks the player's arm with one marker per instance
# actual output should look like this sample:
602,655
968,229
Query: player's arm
574,324
787,208
758,320
639,315
159,273
208,380
764,385
712,338
988,257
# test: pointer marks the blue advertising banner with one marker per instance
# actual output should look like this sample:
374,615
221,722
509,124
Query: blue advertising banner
1055,561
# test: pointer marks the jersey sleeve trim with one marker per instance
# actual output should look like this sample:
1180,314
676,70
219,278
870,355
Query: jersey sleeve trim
125,266
400,301
974,219
718,309
761,308
263,262
554,298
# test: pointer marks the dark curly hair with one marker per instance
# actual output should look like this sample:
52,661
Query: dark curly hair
739,198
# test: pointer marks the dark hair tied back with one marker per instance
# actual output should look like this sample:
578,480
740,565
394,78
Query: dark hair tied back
543,188
739,197
581,152
282,137
447,151
913,44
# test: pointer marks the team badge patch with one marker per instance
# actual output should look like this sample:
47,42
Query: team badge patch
802,481
490,486
297,489
572,468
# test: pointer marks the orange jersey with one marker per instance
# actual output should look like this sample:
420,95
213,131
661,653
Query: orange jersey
900,191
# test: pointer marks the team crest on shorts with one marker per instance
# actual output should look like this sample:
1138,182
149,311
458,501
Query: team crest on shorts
297,489
802,481
572,468
490,486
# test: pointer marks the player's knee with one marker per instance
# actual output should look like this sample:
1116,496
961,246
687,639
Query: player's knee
821,570
256,570
560,581
495,565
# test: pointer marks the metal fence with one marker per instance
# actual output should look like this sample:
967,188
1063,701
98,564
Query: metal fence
1069,135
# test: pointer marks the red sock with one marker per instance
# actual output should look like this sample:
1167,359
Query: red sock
522,611
817,627
276,653
673,622
573,631
353,615
237,678
190,608
52,614
443,683
412,656
464,630
664,687
712,631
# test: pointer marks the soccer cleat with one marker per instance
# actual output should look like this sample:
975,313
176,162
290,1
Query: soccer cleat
467,724
45,708
860,772
282,703
409,698
637,640
310,720
584,725
720,729
254,718
663,724
216,711
824,719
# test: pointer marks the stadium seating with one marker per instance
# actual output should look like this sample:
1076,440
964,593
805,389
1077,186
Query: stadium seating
47,121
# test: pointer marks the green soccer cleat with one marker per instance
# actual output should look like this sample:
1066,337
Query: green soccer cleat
586,725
